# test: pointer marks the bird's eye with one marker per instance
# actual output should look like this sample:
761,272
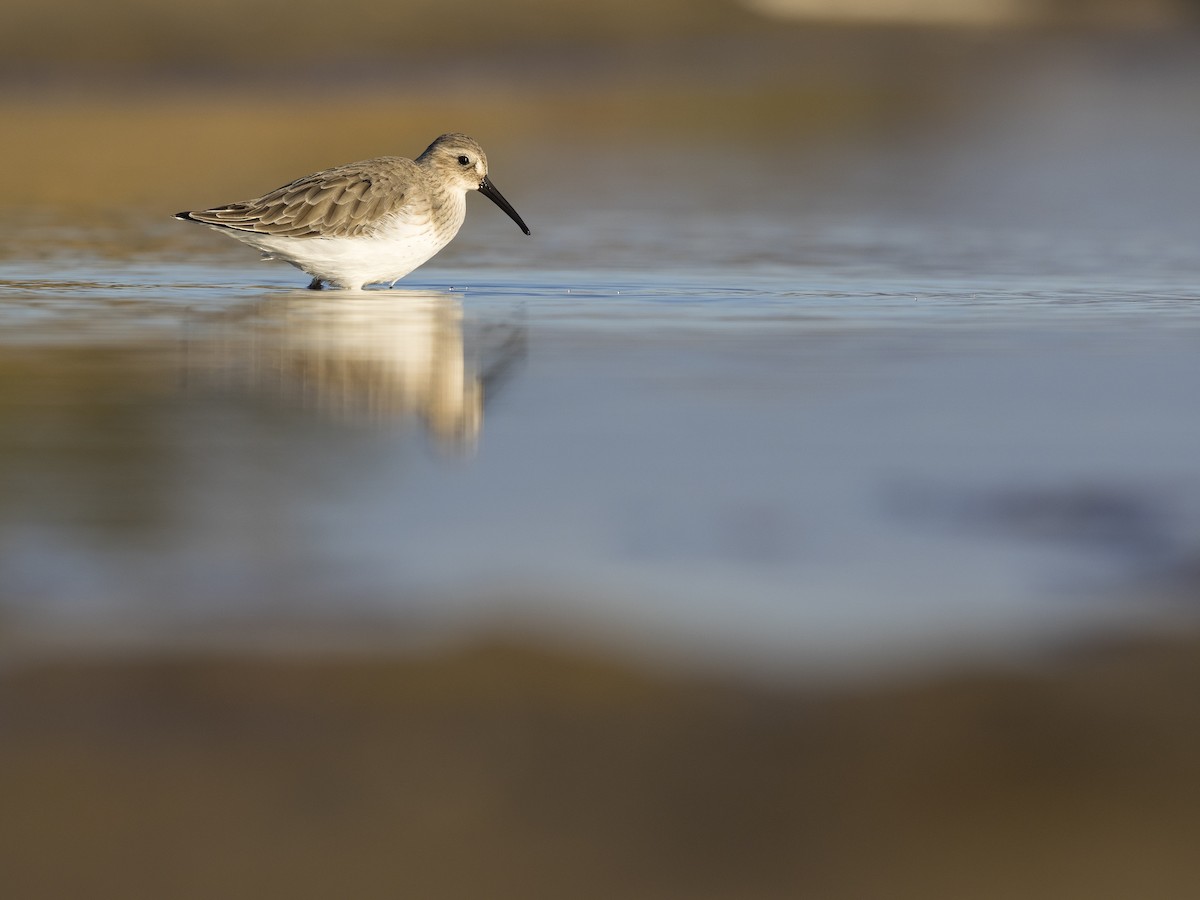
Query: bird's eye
464,160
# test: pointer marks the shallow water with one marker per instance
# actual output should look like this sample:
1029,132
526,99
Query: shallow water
831,462
903,400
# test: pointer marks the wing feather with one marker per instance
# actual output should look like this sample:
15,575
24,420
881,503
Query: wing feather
349,200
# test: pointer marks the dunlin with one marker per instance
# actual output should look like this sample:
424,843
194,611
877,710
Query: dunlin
366,222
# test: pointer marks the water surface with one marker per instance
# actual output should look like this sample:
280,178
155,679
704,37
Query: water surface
764,401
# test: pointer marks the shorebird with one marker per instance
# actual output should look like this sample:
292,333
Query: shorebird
365,222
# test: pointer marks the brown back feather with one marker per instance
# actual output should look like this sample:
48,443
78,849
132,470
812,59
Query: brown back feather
344,201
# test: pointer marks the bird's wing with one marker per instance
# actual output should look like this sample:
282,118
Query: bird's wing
346,201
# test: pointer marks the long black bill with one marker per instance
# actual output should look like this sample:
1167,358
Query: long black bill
489,190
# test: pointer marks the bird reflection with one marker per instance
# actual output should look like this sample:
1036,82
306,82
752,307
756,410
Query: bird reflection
379,357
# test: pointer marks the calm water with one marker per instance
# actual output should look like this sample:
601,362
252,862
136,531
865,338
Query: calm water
926,401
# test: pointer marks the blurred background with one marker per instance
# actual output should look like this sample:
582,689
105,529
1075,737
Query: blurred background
809,509
135,105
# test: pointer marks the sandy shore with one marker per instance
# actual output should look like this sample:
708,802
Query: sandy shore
128,142
502,771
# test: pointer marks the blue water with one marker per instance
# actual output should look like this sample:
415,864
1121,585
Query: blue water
804,465
753,404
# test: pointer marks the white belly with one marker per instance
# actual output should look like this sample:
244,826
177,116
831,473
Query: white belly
352,262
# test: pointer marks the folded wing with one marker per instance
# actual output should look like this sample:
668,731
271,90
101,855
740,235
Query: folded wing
346,201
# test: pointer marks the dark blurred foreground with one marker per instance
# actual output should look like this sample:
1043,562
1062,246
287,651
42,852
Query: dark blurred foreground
504,772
